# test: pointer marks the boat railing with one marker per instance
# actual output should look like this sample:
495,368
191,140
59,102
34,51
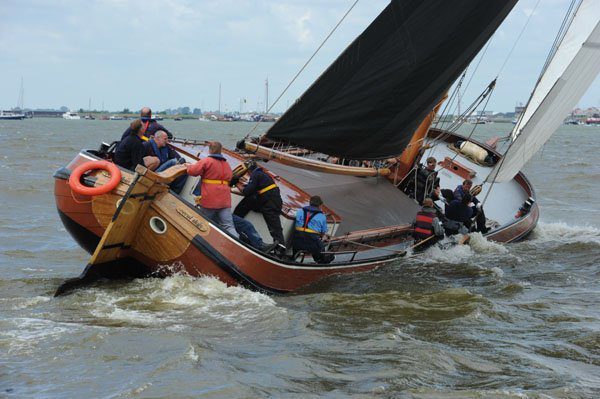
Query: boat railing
302,255
303,162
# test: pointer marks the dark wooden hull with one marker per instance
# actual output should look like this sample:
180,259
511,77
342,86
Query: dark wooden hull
193,245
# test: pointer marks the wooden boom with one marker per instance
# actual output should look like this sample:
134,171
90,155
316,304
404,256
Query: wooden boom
313,164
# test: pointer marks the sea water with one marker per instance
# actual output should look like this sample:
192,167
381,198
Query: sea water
486,320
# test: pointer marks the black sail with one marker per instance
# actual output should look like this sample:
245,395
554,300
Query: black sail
369,102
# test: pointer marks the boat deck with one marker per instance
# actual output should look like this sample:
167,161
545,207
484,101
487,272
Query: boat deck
362,202
506,197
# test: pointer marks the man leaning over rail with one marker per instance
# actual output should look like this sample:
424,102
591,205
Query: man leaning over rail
216,197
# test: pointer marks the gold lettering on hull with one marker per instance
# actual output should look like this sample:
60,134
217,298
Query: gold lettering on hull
200,224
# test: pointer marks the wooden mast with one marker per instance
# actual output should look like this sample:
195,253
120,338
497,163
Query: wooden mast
406,160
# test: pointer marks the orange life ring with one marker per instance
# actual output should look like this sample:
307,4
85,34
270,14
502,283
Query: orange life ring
75,178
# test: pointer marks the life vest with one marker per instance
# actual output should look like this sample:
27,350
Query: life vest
269,187
144,129
308,215
424,224
267,182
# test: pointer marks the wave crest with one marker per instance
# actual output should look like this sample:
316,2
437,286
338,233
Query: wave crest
560,231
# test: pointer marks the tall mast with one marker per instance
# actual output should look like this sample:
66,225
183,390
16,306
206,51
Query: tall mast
219,98
267,95
21,100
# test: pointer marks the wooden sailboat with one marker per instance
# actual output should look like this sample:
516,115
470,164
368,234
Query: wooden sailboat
374,104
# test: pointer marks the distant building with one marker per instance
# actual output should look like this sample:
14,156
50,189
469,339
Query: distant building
519,109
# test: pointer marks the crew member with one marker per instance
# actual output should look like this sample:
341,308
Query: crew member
249,235
427,225
158,146
131,152
149,125
261,194
467,188
461,212
428,184
311,225
216,197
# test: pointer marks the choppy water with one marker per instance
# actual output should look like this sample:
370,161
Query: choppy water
489,320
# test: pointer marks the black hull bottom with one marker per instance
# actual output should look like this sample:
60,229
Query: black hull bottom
121,269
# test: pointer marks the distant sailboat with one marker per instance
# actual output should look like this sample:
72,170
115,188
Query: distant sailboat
11,115
17,113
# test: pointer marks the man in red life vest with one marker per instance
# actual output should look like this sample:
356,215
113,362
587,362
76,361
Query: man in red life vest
216,197
427,225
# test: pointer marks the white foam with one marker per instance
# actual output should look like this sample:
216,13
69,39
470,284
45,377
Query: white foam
192,355
172,300
497,271
26,333
559,231
481,245
455,254
24,303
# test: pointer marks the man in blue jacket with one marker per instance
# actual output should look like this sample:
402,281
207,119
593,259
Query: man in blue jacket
459,211
311,225
158,146
466,188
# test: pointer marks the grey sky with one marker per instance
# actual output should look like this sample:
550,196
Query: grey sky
174,53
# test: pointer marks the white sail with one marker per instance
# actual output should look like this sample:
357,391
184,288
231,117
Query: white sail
572,69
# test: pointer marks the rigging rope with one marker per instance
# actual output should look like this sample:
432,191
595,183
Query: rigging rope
518,39
305,65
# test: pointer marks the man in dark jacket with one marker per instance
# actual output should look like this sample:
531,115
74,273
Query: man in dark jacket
461,212
467,188
261,194
149,125
131,152
428,182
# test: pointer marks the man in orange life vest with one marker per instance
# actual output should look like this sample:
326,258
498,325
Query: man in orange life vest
311,224
216,197
427,225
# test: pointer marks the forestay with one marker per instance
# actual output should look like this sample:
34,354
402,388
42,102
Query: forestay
370,101
572,69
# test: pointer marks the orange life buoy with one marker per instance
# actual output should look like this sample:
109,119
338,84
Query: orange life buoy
75,178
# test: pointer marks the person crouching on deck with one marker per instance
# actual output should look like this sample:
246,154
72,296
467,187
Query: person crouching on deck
216,197
261,194
311,225
428,228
